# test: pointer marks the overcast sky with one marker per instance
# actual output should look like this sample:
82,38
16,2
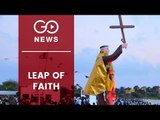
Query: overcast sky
8,47
140,62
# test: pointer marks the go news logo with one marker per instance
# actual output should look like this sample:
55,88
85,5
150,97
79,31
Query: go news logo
51,27
41,26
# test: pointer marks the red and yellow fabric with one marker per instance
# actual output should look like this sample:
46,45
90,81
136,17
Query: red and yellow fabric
99,80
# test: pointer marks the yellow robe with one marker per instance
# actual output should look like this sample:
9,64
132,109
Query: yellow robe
99,80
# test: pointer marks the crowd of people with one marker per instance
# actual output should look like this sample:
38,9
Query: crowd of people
13,100
118,101
81,101
8,100
123,101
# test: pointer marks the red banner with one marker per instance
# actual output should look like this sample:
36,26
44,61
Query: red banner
46,59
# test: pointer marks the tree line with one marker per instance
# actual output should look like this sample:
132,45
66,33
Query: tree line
139,92
122,92
130,93
9,85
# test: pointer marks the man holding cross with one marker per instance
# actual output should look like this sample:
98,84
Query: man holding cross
101,82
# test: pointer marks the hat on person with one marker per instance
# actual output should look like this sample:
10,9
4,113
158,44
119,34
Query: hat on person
103,46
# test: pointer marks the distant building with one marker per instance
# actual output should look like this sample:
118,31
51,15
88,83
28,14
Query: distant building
8,92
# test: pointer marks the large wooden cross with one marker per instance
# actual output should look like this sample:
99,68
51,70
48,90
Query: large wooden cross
121,26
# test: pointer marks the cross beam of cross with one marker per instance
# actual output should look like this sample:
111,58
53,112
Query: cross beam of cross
121,26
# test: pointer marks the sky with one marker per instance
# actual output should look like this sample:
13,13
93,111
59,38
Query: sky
8,48
139,64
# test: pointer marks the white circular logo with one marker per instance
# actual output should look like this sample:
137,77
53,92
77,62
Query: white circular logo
51,26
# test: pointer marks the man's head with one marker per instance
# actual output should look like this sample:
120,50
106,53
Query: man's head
104,48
